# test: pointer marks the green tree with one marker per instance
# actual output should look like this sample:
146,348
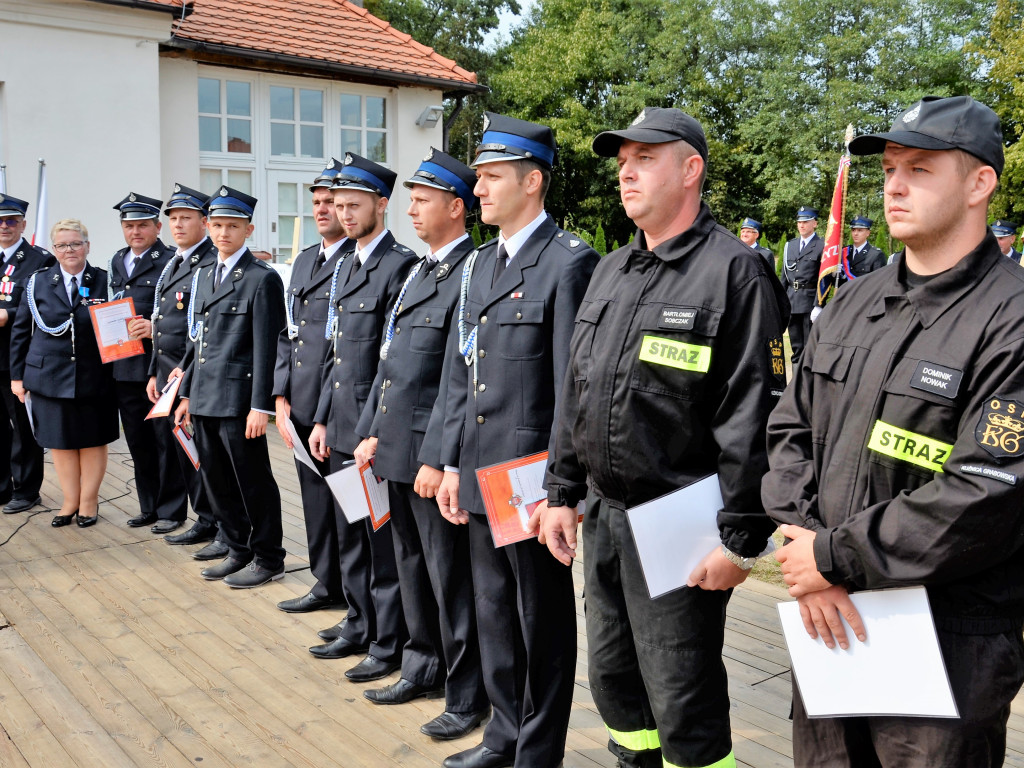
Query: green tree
600,245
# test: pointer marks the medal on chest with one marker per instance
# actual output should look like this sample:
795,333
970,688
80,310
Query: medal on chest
179,296
8,271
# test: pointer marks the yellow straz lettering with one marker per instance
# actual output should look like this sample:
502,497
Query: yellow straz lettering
675,354
908,446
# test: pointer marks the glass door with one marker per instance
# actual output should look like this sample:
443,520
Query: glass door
292,225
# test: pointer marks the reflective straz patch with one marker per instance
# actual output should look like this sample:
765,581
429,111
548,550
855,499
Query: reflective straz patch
1000,429
908,446
675,354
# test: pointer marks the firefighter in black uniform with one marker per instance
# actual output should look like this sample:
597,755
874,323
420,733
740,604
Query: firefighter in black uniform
801,260
301,351
897,452
21,457
186,213
521,293
750,232
1006,234
443,653
675,364
133,273
860,257
371,281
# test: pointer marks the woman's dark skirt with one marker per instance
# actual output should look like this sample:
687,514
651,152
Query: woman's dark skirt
66,424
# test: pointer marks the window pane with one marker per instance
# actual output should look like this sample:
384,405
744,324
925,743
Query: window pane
282,103
376,146
209,180
285,233
282,139
312,137
238,98
209,134
375,117
239,135
311,106
309,232
351,141
209,95
240,180
350,110
287,199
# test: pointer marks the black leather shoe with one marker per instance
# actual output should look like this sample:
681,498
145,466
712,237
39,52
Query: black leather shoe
140,520
332,633
254,576
165,526
197,534
21,505
402,692
59,521
337,649
85,522
478,757
226,568
307,603
371,668
215,550
453,725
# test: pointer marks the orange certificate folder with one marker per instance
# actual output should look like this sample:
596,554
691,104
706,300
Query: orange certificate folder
188,443
162,408
110,324
511,492
377,498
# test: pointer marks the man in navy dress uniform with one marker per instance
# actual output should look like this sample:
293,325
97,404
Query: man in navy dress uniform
442,655
750,232
861,256
1006,234
801,260
523,290
21,458
235,316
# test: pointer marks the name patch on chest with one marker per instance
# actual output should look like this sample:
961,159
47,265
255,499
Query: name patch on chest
937,379
677,318
908,446
675,354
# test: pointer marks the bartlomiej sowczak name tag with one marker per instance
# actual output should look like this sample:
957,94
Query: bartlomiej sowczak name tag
677,318
937,379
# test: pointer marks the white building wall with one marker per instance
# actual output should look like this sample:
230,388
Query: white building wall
410,145
80,88
179,158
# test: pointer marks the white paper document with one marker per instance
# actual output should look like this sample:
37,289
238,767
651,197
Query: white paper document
377,496
347,487
674,532
897,671
112,323
298,448
162,407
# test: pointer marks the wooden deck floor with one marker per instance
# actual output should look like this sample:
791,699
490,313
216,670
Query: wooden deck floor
114,652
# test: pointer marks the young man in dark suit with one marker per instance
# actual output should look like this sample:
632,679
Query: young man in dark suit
523,290
860,257
21,458
236,315
186,214
301,350
801,260
134,271
443,653
375,274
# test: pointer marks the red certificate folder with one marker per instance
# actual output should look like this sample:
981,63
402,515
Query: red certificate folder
110,324
377,499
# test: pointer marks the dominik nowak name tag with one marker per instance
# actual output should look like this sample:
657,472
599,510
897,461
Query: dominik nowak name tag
675,354
938,379
909,446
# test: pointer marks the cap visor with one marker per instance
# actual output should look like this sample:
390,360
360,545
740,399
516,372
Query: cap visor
874,143
11,212
417,180
499,157
356,186
229,213
607,144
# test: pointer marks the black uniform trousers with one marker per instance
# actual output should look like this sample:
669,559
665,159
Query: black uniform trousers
321,516
240,485
190,475
369,577
21,457
523,593
799,330
985,673
161,492
437,599
674,643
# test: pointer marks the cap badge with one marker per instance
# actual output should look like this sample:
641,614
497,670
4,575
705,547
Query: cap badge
429,156
348,158
911,116
639,118
131,197
487,122
177,187
223,191
2,198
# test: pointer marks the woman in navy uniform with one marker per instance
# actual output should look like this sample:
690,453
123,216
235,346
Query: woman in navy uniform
54,357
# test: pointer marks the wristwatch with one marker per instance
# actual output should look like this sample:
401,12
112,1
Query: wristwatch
746,563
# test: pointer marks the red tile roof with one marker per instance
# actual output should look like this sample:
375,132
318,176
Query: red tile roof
332,35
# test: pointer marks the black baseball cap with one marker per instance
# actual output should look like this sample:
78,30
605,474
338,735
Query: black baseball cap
957,122
655,125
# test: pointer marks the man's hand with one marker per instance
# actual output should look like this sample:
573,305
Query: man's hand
365,451
18,388
177,373
823,613
815,311
799,570
428,480
3,317
448,500
151,391
716,571
556,528
181,414
256,424
282,412
318,443
140,328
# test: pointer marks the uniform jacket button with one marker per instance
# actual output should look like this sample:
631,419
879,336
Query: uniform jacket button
483,320
482,353
305,302
482,388
480,419
337,385
383,409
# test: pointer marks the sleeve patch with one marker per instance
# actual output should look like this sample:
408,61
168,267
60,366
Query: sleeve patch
996,474
1000,429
